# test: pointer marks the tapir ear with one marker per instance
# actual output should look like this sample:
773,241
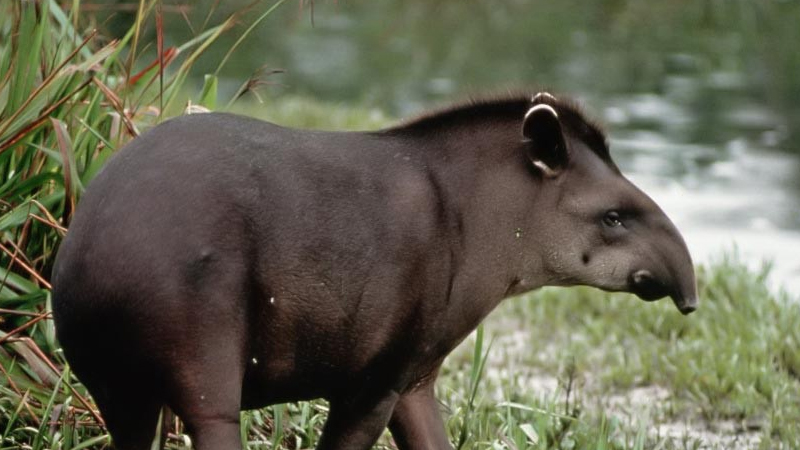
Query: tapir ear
547,148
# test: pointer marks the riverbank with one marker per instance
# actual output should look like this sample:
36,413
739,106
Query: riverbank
586,368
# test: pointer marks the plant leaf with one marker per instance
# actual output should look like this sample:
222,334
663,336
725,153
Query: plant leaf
208,97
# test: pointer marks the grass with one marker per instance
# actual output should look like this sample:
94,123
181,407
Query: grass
560,368
731,365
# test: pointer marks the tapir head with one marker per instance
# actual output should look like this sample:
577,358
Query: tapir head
600,230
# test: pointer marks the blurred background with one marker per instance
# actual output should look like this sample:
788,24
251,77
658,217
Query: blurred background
701,98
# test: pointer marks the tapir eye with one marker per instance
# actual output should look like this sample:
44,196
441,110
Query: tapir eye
612,219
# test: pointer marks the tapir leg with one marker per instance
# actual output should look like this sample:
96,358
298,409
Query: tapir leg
208,389
207,365
131,418
210,394
356,424
212,434
417,423
129,400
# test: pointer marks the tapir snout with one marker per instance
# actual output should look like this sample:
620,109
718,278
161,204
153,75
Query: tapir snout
669,271
684,294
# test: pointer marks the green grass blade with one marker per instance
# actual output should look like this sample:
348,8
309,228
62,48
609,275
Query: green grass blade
246,33
208,96
102,441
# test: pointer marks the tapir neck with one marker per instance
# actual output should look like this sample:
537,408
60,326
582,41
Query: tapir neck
475,170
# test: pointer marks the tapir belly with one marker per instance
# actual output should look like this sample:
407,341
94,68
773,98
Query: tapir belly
318,344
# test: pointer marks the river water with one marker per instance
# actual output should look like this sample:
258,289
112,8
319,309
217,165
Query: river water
701,99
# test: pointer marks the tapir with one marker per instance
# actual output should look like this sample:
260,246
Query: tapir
220,263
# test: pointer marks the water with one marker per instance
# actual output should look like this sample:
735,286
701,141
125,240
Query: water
701,98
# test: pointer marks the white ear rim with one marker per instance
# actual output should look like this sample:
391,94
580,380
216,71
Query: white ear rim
543,96
546,170
548,108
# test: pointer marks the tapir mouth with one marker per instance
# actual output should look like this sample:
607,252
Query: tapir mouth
647,287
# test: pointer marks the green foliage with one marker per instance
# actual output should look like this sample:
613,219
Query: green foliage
734,361
68,100
305,113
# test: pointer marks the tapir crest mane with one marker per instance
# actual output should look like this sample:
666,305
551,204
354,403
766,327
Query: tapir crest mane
513,104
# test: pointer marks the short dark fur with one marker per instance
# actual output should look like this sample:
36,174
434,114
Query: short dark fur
220,263
513,104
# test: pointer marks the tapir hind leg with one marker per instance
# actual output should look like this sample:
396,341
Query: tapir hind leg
129,409
356,423
416,423
127,396
207,369
204,347
132,422
207,393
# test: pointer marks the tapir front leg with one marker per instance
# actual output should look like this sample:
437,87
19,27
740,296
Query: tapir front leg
356,423
417,423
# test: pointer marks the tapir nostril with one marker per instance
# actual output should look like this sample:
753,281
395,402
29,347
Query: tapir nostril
642,277
646,286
